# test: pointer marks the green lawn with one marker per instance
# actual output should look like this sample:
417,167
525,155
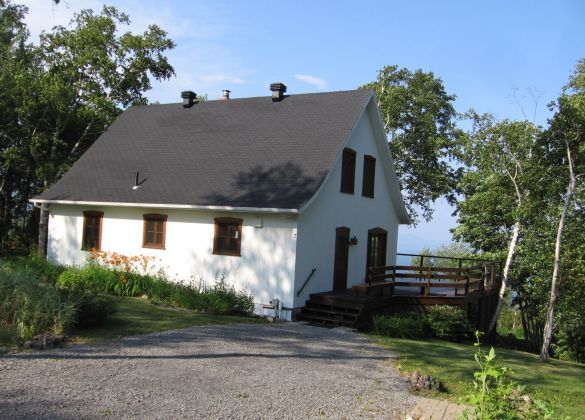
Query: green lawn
140,316
560,383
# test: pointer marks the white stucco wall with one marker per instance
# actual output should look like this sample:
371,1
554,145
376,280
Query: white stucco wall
266,267
331,209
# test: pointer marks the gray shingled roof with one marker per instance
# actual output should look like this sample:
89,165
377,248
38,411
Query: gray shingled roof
241,152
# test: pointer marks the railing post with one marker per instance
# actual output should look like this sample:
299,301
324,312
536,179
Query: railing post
492,276
428,287
467,282
459,276
422,259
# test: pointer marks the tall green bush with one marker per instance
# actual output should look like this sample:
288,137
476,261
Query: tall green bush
32,307
448,322
405,325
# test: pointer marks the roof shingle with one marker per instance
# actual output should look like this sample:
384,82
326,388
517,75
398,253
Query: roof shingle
249,152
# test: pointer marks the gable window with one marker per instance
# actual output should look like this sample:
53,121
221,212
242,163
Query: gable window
155,226
228,236
377,239
369,176
348,171
92,230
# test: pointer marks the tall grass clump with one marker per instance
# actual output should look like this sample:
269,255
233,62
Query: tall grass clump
31,307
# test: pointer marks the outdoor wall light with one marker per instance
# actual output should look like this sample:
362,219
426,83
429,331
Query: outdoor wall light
353,240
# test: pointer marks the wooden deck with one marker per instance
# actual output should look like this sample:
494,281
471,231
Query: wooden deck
392,289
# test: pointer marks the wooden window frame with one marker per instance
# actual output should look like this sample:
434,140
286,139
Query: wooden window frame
94,214
228,221
158,218
369,179
371,232
348,162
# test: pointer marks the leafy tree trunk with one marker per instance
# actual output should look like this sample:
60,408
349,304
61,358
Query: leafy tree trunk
505,277
548,326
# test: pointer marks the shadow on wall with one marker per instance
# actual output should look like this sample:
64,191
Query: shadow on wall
282,186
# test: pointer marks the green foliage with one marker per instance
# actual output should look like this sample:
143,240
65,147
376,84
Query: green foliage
32,307
57,95
40,268
94,309
495,396
448,322
441,321
418,116
405,325
222,298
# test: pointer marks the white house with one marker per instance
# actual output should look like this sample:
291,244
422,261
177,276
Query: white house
263,190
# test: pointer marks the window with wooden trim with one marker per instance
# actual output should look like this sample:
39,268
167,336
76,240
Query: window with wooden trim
348,171
155,226
377,240
92,230
369,176
228,236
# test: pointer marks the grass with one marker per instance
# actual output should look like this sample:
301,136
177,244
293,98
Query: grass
141,316
560,383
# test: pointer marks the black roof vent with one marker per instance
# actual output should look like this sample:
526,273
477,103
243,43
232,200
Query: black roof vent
188,98
278,90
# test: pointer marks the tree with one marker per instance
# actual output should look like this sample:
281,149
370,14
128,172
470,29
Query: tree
418,117
15,62
78,81
501,161
565,137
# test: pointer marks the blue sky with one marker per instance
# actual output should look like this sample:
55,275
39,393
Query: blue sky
496,56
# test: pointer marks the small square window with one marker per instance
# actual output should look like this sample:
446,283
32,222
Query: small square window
228,236
154,231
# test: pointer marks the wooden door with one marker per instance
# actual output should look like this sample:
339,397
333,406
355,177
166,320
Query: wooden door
340,262
377,240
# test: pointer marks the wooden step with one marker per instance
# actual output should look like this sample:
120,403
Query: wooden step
331,309
331,316
326,320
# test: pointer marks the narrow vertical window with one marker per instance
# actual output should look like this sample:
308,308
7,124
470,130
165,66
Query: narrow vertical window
369,176
348,171
154,231
377,240
92,230
228,236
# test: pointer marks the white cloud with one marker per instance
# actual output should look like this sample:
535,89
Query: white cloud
312,80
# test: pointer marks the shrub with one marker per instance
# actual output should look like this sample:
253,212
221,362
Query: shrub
94,309
38,267
32,307
448,322
405,325
221,298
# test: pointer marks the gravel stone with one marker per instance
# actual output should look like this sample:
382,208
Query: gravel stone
242,371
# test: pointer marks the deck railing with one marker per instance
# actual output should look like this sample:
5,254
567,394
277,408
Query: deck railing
452,279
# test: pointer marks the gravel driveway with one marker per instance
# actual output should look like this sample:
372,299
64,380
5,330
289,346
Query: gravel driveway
234,371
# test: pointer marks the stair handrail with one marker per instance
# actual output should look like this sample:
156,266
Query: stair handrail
306,281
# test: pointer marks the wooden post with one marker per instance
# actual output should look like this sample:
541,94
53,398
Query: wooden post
422,258
458,276
483,277
492,276
428,288
467,282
